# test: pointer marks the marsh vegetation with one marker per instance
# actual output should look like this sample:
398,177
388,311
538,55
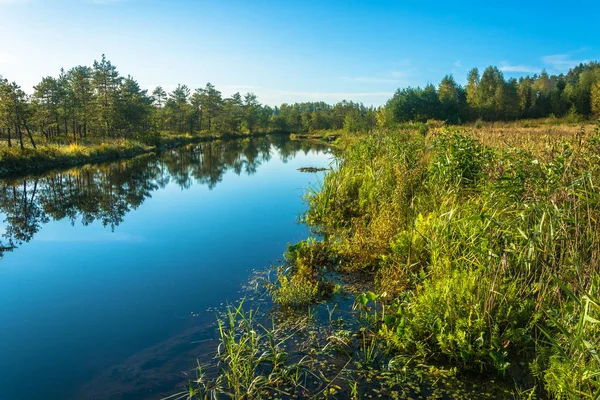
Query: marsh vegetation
469,254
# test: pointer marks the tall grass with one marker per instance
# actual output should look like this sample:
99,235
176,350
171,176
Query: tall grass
252,361
573,364
487,242
482,255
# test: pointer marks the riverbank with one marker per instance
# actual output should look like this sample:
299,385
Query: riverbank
484,247
14,161
327,136
470,257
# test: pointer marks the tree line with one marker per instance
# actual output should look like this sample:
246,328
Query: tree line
98,102
491,97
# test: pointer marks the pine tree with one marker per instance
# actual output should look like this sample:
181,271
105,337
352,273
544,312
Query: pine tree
106,82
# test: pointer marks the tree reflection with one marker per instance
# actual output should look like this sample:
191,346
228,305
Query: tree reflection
107,192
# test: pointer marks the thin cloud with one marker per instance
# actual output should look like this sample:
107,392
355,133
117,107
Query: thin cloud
243,87
403,63
329,95
103,2
457,63
371,79
167,88
561,62
556,62
519,68
349,95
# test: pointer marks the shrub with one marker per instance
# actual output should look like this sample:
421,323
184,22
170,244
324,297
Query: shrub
301,282
295,291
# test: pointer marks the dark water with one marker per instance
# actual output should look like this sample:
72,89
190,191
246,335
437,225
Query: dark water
108,271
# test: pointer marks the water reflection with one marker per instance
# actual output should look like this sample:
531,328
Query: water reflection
108,192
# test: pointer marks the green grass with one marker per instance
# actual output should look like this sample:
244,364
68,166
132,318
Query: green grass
478,253
252,360
487,248
14,160
301,282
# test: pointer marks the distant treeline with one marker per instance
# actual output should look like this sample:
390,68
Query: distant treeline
491,97
98,102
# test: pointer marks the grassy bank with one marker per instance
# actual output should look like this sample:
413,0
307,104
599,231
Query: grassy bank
14,161
321,135
486,247
471,256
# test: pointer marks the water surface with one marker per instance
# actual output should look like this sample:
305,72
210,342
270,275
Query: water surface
108,270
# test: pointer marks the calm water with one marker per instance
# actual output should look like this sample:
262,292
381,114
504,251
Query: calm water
109,271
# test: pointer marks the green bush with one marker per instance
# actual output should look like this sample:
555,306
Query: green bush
302,283
295,291
468,318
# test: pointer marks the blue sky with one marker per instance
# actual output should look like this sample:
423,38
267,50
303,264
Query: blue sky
288,51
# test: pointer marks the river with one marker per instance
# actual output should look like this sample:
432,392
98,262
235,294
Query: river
111,274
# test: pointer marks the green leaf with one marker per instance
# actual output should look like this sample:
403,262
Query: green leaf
362,299
465,356
372,296
496,356
400,327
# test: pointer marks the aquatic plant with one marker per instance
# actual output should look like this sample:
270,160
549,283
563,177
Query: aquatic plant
301,282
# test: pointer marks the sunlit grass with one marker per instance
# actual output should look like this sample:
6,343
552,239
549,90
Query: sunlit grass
483,258
476,232
540,137
47,155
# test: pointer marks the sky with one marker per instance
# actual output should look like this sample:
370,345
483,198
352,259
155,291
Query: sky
291,51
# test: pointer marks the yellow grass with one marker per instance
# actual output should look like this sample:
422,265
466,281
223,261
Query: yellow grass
540,137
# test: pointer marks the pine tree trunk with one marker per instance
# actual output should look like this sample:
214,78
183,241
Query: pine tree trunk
20,135
30,135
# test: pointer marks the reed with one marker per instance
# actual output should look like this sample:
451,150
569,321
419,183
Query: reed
487,235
